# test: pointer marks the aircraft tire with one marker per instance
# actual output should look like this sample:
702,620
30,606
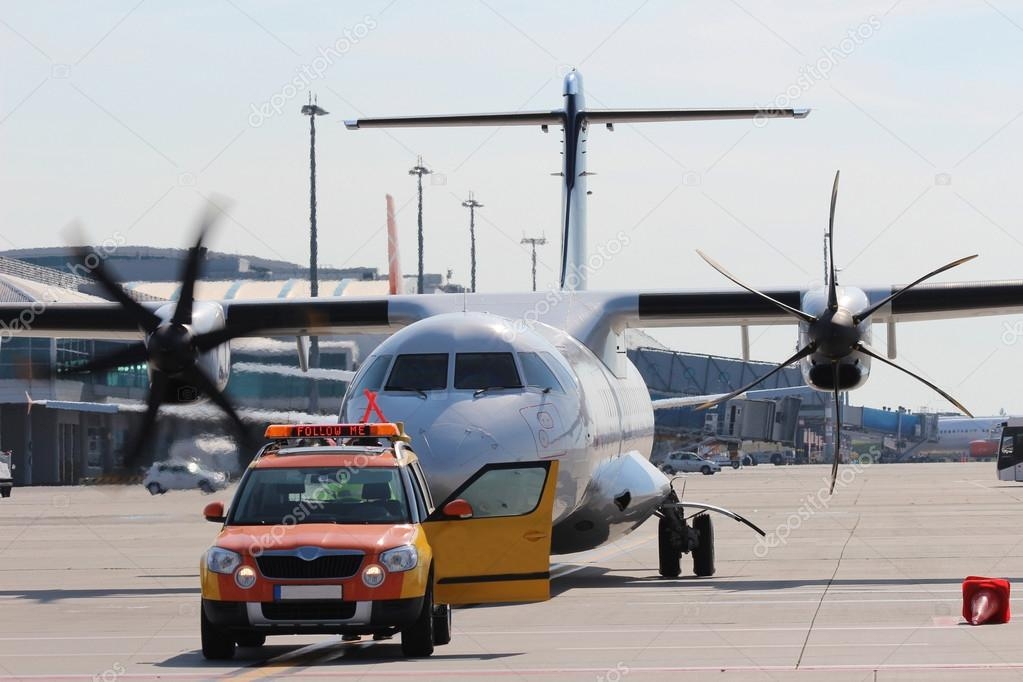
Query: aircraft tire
703,556
216,645
669,563
417,639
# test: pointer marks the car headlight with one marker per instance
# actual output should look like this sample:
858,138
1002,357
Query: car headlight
220,560
245,577
400,559
373,575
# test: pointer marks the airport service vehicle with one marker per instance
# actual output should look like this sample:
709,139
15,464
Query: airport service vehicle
340,535
1010,451
688,462
164,476
6,474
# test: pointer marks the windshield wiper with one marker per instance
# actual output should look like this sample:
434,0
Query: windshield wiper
480,391
421,392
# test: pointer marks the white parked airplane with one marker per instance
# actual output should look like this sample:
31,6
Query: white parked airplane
495,377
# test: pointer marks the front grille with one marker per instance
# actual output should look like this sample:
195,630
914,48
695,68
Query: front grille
308,610
287,567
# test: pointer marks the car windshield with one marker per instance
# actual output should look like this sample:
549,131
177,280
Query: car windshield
340,495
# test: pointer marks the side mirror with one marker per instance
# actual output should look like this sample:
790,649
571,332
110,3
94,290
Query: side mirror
214,511
459,509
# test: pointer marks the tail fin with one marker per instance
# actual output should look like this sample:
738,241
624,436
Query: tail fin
393,259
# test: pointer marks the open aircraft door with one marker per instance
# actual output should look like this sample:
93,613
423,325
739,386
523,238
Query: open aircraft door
491,538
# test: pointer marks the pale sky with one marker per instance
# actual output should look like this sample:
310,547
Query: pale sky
124,115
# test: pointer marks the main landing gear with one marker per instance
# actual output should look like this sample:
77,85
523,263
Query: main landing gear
675,536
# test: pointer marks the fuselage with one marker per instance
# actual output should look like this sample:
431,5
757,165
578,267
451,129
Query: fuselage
474,388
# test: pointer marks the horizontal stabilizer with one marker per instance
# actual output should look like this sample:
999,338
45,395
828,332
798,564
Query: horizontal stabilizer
513,118
653,115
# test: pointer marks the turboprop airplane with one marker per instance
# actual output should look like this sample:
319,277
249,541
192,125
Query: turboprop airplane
481,377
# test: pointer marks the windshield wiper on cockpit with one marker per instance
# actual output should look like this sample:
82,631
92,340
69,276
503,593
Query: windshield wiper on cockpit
421,392
480,391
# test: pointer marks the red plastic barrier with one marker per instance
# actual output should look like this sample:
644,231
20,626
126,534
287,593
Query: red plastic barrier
985,600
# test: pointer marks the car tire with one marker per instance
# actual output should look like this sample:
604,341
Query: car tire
417,639
703,556
154,488
669,559
5,492
206,487
442,624
251,639
668,471
216,645
706,470
736,464
777,460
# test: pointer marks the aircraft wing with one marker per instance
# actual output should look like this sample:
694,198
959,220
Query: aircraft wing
511,118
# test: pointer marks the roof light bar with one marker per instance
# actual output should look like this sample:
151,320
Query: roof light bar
379,430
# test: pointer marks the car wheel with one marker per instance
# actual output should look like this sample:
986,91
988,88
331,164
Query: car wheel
205,486
703,556
216,645
668,470
736,464
417,639
154,488
5,492
777,460
706,470
251,639
442,624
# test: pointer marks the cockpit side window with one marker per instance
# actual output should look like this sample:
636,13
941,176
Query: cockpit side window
486,370
373,377
419,372
537,373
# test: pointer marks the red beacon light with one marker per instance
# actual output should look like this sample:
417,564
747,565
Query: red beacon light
377,430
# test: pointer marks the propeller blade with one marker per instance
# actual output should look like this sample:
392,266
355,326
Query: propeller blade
209,340
132,355
145,318
860,316
805,351
837,452
867,350
832,280
141,439
206,385
805,317
190,272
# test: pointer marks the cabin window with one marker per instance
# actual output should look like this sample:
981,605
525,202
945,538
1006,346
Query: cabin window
419,372
486,370
537,373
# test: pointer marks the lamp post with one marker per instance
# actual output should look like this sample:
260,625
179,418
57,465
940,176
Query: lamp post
419,170
312,110
472,205
534,242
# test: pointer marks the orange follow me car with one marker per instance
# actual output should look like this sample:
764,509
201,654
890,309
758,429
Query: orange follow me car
332,530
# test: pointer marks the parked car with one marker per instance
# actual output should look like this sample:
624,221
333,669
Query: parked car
164,476
677,462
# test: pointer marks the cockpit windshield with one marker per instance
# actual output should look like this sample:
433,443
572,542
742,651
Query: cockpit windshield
419,372
320,495
486,370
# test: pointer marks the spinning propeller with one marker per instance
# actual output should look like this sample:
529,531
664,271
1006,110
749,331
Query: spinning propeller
171,347
835,333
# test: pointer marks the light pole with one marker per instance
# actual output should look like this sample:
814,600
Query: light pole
534,242
472,205
312,110
419,170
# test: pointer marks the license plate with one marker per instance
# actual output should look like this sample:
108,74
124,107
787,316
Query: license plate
306,592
